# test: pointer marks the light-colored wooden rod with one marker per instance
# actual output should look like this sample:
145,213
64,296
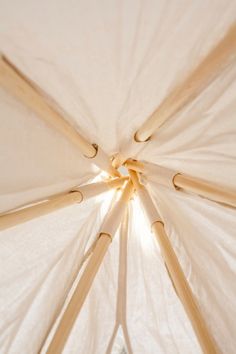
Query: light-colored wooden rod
77,300
212,66
118,159
20,216
20,87
190,184
16,84
116,182
184,291
205,189
135,165
79,296
134,176
181,285
52,203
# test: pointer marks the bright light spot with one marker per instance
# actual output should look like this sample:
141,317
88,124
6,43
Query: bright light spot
141,226
138,221
123,170
106,198
100,177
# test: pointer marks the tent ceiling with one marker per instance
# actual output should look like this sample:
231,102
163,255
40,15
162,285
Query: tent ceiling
108,65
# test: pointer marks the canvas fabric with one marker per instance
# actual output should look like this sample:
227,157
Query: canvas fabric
107,66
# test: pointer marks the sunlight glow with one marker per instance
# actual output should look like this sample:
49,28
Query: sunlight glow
140,226
138,221
105,199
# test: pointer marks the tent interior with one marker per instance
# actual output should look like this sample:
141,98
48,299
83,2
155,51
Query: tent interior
117,141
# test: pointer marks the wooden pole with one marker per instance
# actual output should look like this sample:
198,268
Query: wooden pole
190,184
72,311
79,296
181,285
116,182
135,165
52,203
211,67
183,290
205,189
19,86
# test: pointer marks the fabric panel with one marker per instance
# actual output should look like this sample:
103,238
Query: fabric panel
156,320
36,161
38,262
109,65
203,235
